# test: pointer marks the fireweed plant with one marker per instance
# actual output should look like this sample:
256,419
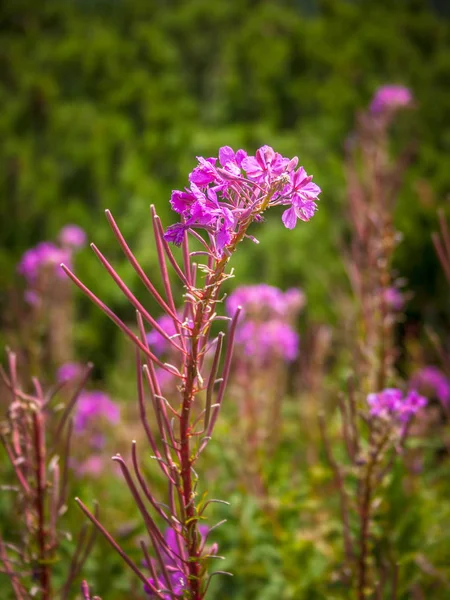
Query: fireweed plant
374,179
37,436
376,416
42,329
374,435
432,378
224,198
266,343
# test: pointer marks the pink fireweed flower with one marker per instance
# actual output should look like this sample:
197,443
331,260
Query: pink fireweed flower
92,466
265,165
236,189
265,330
92,405
230,160
70,370
303,193
433,381
72,236
266,340
392,405
264,301
45,254
256,299
391,97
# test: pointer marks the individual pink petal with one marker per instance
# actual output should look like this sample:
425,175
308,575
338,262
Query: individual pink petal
289,218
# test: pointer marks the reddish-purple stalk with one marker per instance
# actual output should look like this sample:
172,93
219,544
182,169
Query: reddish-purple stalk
42,532
373,183
441,243
30,423
251,467
372,464
14,577
340,484
86,593
205,306
365,513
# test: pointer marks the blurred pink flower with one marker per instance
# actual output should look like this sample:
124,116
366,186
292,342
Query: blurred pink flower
72,236
93,465
43,255
264,341
391,97
392,404
394,298
433,381
264,301
69,370
92,405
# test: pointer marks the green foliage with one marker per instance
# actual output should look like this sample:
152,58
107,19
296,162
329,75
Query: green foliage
105,104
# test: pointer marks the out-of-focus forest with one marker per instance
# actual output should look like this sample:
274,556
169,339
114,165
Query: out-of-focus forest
105,104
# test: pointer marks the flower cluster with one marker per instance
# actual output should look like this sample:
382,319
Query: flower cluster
264,340
72,236
235,189
92,405
392,405
264,301
92,466
46,258
265,329
432,381
391,98
45,254
32,431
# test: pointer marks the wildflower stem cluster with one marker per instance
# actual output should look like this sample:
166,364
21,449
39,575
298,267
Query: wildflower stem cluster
37,438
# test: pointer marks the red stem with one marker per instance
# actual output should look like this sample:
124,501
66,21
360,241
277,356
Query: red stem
199,333
44,567
186,463
365,519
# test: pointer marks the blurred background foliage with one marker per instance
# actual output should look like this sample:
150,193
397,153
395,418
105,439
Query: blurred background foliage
105,104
